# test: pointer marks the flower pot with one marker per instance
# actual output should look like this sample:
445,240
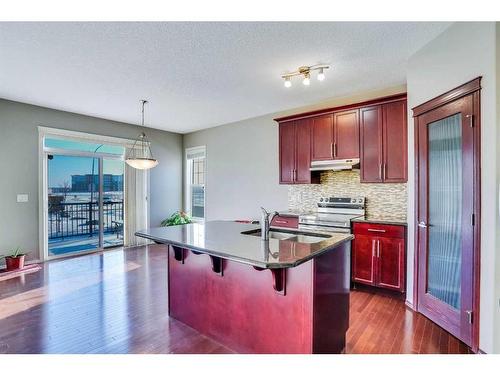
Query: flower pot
16,263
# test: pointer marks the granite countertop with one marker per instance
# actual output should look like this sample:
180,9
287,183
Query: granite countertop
225,240
380,220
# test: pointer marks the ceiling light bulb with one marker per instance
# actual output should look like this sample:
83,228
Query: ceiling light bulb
321,75
307,80
288,82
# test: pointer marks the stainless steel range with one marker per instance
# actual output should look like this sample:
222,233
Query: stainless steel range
334,214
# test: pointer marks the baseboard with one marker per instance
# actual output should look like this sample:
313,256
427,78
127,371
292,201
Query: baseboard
410,305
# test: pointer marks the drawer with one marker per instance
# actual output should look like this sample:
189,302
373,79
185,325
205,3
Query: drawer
379,230
285,221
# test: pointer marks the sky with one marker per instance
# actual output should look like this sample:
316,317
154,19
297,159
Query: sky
61,167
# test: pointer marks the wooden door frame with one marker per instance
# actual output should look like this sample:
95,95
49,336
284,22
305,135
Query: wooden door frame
473,88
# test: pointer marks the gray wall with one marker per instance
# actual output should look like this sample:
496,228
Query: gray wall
19,167
242,161
463,52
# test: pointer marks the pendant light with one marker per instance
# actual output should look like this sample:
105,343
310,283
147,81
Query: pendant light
140,155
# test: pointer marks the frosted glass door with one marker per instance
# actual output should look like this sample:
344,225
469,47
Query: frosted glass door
445,209
446,231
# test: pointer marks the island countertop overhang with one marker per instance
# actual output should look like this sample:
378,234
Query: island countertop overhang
224,239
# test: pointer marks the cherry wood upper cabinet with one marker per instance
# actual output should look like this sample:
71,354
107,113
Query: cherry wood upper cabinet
374,131
335,136
346,134
302,151
322,137
371,144
295,153
383,142
395,141
287,152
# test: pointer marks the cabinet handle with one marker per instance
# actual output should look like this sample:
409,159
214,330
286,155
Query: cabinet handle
378,248
332,149
281,221
384,171
376,230
373,248
380,171
295,175
335,150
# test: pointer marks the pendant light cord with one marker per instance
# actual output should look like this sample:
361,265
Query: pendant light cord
142,139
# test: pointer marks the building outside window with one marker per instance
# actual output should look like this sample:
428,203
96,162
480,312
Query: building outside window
195,182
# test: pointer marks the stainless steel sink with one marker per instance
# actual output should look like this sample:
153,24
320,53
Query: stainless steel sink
289,235
307,238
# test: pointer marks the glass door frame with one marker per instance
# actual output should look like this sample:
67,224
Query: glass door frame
472,149
43,180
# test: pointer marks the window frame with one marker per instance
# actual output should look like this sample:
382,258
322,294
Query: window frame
187,182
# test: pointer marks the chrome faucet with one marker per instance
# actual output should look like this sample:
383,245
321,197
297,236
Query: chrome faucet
265,223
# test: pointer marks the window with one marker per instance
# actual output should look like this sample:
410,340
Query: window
195,182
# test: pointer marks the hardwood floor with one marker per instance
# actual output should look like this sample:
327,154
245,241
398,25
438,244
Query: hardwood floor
116,302
381,323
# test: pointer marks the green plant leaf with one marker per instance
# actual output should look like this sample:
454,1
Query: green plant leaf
177,218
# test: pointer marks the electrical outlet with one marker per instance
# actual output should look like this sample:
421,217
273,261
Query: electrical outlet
22,198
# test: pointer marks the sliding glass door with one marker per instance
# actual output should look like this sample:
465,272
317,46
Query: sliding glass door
112,202
85,197
73,204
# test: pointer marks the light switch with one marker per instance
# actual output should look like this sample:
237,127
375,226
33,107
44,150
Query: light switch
22,198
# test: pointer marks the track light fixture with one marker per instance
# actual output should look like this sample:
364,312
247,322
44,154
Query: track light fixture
306,72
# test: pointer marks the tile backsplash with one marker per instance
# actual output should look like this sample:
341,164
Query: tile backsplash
385,201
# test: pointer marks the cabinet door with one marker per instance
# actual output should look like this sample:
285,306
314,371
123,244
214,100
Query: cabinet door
363,259
390,263
303,153
395,142
371,143
346,135
322,137
287,152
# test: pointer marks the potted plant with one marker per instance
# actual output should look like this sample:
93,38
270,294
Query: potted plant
177,218
15,261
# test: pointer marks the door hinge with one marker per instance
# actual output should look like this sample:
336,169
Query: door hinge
471,120
469,316
472,219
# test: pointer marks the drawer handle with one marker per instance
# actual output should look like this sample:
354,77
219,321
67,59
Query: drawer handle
376,230
281,221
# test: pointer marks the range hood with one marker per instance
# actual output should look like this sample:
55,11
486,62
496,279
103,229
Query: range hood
334,165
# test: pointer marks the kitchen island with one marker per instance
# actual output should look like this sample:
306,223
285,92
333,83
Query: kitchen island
289,294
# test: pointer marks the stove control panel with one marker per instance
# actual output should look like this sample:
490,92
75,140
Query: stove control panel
347,201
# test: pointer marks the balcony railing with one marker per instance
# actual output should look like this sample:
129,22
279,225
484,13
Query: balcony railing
80,219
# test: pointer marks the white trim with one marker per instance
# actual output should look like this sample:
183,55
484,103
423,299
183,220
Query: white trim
187,183
42,200
81,136
42,178
90,154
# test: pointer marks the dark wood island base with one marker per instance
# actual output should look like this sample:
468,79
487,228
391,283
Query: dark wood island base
302,309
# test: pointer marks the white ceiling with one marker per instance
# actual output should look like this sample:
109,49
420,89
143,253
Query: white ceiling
198,75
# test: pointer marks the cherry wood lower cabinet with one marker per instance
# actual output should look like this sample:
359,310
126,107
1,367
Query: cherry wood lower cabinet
239,307
285,221
378,256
